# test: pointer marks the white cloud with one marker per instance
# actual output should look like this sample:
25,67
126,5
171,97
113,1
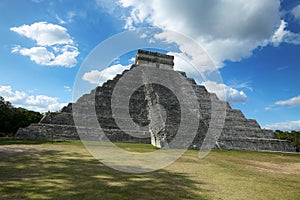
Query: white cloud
292,102
296,12
228,30
45,34
39,103
284,35
190,52
92,77
67,57
279,34
39,55
99,77
182,63
284,126
131,60
54,45
225,92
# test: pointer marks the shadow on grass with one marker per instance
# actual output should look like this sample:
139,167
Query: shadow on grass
55,174
11,141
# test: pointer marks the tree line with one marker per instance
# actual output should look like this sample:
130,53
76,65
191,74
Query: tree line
293,136
12,118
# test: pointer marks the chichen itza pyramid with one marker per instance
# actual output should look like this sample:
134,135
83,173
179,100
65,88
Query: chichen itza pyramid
237,132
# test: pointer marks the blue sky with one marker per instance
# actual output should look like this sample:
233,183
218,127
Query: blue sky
254,45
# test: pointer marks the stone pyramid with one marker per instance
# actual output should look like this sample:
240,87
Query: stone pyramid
157,125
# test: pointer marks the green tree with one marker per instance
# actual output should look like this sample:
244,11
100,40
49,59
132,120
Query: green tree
293,136
11,118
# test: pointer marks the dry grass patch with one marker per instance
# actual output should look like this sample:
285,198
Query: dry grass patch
67,171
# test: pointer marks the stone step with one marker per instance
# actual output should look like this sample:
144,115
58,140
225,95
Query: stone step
241,122
255,144
51,131
247,132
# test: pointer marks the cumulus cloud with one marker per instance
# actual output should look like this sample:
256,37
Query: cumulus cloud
40,103
54,47
99,77
39,55
228,30
292,102
45,34
92,77
225,92
284,126
66,57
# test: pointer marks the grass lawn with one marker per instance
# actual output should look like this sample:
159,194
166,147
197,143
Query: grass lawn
65,170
